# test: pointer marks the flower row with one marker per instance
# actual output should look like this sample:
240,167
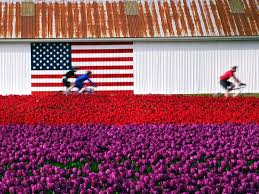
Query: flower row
129,158
127,109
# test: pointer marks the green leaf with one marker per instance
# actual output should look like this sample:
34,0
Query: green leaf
149,169
250,162
94,167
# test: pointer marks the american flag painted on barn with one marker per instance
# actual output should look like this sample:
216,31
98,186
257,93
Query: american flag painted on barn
110,62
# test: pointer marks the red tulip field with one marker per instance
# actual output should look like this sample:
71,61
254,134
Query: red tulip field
129,144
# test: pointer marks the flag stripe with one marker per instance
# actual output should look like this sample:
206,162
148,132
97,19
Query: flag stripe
102,59
59,80
96,71
86,84
102,43
103,63
102,55
100,88
105,67
94,47
108,92
37,76
90,51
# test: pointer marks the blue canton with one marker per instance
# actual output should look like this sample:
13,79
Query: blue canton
51,56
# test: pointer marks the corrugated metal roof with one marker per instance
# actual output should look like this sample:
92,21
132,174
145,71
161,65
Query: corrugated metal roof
108,19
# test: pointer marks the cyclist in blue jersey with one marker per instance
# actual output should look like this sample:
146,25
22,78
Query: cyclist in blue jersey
79,83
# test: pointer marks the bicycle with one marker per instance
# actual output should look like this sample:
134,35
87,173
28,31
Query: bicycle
237,91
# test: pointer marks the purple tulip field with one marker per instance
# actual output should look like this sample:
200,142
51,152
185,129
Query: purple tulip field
132,158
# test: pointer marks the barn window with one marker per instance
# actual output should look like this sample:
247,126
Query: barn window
131,7
236,6
27,8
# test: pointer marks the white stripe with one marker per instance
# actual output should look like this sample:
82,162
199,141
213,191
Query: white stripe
101,55
63,72
59,80
103,63
100,88
93,47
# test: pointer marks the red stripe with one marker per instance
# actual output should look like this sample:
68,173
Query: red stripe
87,84
102,59
101,43
103,51
110,92
106,67
92,76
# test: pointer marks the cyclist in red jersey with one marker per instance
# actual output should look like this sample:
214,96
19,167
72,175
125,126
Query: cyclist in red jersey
227,85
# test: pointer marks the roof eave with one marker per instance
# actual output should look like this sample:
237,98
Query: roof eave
157,39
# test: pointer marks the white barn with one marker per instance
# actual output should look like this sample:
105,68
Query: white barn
140,47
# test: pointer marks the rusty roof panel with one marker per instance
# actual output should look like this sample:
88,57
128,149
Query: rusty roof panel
109,19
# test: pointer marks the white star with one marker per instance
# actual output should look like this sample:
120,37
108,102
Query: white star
40,67
54,67
34,67
47,67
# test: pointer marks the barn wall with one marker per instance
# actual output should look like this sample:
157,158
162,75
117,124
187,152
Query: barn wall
192,68
15,60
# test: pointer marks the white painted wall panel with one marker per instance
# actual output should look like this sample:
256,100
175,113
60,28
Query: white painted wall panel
15,68
193,68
